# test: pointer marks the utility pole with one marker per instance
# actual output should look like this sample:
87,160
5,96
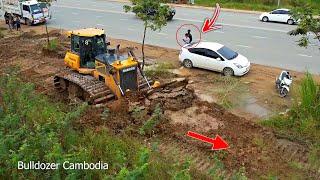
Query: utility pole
278,3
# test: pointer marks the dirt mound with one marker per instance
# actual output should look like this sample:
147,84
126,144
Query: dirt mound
195,117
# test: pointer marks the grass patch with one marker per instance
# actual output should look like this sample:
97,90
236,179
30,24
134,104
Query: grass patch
227,89
302,122
52,46
159,70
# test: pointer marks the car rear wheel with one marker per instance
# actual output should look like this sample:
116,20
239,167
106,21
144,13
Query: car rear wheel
265,19
228,71
290,21
187,63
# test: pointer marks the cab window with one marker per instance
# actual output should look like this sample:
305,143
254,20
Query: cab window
26,8
75,44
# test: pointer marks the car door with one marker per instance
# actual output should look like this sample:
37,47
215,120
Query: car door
213,60
285,15
198,57
275,16
26,11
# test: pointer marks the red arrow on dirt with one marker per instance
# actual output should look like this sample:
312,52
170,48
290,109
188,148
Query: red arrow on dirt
217,143
209,24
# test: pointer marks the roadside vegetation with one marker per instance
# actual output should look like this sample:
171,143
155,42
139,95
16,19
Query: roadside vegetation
155,22
302,122
34,129
309,26
256,5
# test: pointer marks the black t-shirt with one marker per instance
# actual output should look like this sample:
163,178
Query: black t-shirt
190,37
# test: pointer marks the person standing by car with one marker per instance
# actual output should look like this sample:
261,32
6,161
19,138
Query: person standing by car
18,24
189,36
186,39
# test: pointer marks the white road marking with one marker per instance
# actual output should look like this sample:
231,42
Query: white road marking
163,34
131,29
259,37
304,55
91,9
182,19
124,19
101,25
240,45
237,25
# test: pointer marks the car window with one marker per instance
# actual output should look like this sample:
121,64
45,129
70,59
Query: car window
275,12
199,51
283,12
227,53
211,54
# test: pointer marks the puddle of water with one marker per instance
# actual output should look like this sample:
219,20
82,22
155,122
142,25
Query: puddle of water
250,105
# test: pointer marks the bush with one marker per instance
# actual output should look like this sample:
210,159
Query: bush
52,46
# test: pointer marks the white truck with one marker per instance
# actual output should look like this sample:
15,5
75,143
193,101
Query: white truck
29,11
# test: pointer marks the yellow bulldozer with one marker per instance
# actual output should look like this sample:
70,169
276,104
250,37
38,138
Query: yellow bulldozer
96,73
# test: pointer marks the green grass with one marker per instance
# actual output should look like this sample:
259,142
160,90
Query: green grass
302,123
34,129
159,70
227,90
52,46
256,5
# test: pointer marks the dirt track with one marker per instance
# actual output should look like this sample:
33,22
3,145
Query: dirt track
251,146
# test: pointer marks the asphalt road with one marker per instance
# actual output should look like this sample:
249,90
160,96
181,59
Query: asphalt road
263,43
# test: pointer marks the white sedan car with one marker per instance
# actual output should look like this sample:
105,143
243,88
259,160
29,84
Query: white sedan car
215,57
278,15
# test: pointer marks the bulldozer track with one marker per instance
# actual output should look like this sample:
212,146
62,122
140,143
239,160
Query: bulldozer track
93,90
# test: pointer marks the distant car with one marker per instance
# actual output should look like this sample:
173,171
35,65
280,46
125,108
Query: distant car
171,13
214,56
278,15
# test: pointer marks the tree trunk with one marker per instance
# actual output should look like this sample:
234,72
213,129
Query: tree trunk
142,49
48,40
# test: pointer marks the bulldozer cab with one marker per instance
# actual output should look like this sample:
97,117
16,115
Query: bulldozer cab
86,44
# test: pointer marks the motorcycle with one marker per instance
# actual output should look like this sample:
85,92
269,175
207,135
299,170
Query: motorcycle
283,83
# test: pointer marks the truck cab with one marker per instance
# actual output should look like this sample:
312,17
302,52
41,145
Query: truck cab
32,13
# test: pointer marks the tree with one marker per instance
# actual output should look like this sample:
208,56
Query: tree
156,21
309,24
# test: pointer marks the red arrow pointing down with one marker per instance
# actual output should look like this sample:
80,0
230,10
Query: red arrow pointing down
208,24
217,143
